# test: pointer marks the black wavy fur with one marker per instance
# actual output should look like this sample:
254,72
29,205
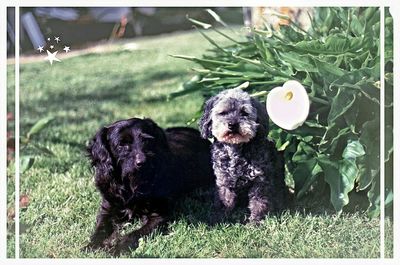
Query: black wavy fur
140,170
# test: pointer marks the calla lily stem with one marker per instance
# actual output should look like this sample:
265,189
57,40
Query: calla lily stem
318,100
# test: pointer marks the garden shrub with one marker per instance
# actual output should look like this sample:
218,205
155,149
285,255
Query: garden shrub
338,61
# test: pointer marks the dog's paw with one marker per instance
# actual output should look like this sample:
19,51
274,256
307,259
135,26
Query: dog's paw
123,245
91,247
254,221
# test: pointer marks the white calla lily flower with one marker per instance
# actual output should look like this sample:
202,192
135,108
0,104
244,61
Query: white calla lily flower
288,106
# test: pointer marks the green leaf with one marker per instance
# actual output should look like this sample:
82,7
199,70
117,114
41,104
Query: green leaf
388,141
304,152
370,138
357,75
216,17
199,23
331,138
210,40
343,100
26,162
374,198
204,62
328,71
43,150
340,177
298,61
304,176
353,150
39,125
366,174
389,198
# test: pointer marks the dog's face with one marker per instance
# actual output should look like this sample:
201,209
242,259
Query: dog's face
127,147
233,117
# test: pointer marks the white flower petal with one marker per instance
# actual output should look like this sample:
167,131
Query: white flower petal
288,106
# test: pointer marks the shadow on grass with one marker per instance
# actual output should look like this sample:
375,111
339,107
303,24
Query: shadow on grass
197,208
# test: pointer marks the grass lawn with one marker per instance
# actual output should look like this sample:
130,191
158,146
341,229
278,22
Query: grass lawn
88,91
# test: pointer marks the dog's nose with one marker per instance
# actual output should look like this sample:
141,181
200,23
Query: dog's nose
140,160
233,126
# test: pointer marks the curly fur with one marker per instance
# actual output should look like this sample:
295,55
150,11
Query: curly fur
245,162
140,170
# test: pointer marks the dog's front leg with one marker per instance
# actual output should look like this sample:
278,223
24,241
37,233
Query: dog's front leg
131,240
224,202
259,204
105,228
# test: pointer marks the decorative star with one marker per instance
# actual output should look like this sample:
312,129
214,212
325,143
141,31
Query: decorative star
40,49
51,46
57,39
66,49
52,57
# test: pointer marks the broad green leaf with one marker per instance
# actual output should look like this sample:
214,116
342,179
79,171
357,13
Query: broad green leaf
353,150
348,173
357,75
304,176
328,71
335,181
352,116
291,34
26,162
39,125
343,100
330,139
374,198
388,142
299,62
304,152
356,26
389,198
366,175
43,150
370,138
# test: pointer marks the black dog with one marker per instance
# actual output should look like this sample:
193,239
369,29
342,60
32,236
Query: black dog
140,170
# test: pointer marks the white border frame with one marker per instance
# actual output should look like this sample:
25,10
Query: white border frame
3,137
17,172
382,131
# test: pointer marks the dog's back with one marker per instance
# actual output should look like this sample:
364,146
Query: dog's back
191,158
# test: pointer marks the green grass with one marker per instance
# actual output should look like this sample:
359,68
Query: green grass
86,92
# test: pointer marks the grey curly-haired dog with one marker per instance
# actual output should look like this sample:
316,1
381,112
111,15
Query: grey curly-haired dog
245,161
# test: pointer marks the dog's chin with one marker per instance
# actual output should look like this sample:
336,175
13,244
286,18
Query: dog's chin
234,138
133,171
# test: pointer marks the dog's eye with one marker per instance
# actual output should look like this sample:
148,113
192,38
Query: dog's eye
126,141
244,113
223,113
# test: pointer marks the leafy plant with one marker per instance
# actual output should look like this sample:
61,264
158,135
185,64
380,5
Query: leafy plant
30,147
338,61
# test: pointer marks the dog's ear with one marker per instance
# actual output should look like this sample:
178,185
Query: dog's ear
205,121
262,115
158,133
99,154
